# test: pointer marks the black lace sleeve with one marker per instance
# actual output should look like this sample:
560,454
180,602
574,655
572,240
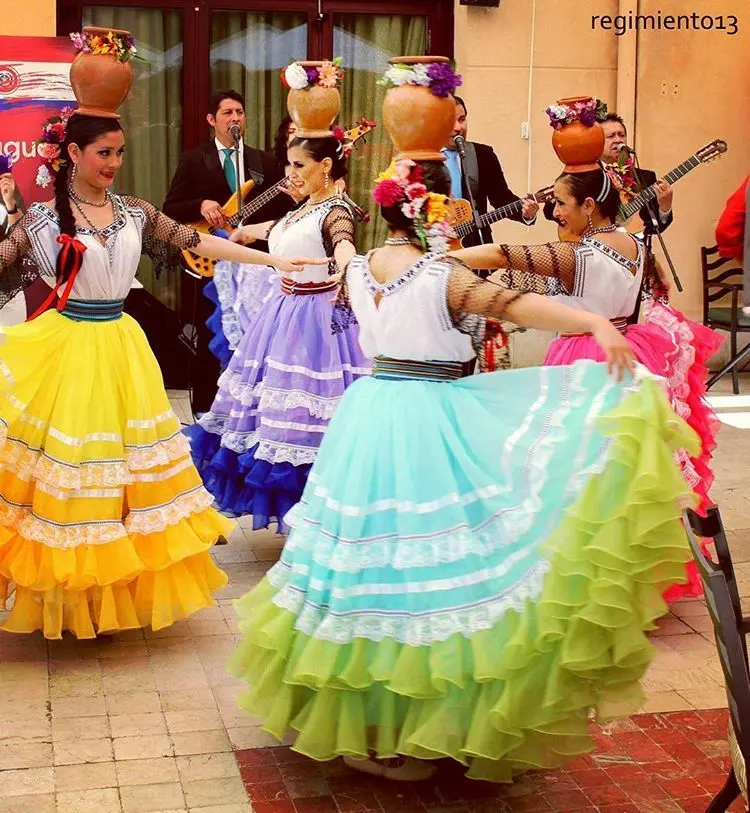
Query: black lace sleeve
338,226
163,238
555,261
17,269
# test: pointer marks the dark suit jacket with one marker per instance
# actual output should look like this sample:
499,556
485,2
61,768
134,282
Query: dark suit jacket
491,189
646,177
200,177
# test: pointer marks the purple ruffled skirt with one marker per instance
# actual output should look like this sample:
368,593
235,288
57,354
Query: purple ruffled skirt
255,447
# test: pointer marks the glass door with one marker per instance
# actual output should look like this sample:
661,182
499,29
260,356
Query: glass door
247,53
366,42
152,115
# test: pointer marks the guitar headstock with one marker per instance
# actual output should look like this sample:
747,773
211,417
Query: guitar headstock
355,134
711,151
544,195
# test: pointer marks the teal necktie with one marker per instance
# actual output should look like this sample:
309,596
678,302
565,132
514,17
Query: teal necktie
454,170
229,171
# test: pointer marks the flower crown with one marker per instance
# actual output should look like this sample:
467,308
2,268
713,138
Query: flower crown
123,47
439,77
299,77
403,183
588,113
49,147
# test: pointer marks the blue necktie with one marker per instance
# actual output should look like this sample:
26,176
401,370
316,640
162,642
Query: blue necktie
454,169
229,171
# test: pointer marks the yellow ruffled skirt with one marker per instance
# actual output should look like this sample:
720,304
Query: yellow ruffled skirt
104,522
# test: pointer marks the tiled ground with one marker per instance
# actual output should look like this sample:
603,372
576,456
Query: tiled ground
148,722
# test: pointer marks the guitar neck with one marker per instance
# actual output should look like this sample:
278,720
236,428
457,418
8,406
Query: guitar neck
648,194
257,203
491,217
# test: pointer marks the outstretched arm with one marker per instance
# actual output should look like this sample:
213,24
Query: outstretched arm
163,228
467,293
16,245
556,260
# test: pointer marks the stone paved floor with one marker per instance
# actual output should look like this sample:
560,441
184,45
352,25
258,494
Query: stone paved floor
147,722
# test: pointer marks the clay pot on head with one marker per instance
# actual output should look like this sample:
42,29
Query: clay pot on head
315,108
418,122
100,82
579,147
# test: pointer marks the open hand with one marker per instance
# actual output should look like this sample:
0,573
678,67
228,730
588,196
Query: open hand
617,350
293,265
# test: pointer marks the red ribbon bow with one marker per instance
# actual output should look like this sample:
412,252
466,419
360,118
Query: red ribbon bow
70,246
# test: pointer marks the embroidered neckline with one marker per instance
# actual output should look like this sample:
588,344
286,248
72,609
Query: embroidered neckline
287,223
116,225
404,278
613,253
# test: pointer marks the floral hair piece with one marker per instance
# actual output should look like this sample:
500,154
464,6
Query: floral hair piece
622,174
49,147
403,184
110,43
299,77
439,77
588,113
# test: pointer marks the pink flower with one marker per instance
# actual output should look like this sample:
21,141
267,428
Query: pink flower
416,190
387,193
402,170
412,208
48,151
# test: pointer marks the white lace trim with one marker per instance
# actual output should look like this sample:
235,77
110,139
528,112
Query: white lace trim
295,426
285,453
151,423
65,536
287,400
400,551
331,375
423,630
156,518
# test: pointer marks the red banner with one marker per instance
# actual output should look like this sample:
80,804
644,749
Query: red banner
34,85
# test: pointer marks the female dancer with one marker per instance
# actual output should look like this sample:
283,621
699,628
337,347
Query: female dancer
294,360
603,273
104,522
466,544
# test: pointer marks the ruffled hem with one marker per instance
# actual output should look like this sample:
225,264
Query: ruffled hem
134,581
243,485
579,647
218,345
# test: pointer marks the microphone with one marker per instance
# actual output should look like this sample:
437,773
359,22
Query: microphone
460,142
235,131
627,150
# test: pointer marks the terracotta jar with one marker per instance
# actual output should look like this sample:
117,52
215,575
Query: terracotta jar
100,82
418,122
313,109
579,147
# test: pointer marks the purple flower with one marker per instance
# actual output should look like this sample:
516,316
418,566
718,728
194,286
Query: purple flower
312,75
443,80
587,117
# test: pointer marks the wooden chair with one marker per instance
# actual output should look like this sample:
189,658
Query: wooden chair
717,284
723,607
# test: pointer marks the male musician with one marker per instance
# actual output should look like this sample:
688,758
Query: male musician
616,137
484,175
205,179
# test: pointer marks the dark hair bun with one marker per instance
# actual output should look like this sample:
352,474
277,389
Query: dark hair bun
327,147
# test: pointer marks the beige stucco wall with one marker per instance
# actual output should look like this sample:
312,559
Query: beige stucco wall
29,18
678,90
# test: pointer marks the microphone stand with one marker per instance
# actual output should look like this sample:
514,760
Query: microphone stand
459,142
237,170
656,229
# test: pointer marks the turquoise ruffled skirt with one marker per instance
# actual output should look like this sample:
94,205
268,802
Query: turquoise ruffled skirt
471,570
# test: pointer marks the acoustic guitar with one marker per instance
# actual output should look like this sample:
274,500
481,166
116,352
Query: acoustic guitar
203,266
629,208
463,216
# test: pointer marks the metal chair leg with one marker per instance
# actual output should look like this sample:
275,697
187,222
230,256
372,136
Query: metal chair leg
735,364
731,790
735,369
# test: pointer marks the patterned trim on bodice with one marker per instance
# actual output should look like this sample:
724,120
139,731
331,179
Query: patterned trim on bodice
321,209
613,254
